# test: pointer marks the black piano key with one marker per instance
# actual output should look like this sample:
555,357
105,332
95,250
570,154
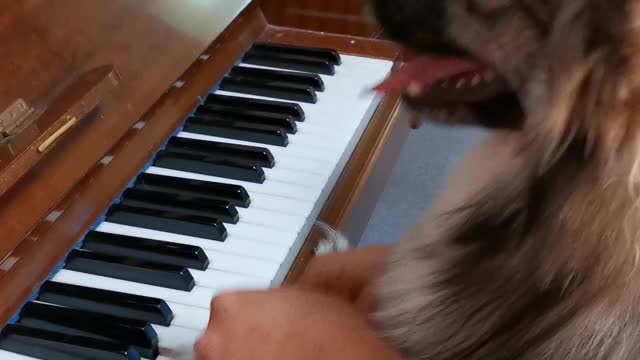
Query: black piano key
216,101
43,344
239,112
135,333
206,165
304,94
235,194
289,62
181,203
172,222
238,130
330,55
130,269
254,117
152,310
188,256
278,77
243,153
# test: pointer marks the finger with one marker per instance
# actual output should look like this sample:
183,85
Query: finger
323,270
228,304
225,301
226,310
358,260
209,346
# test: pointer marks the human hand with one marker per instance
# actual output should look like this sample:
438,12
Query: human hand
287,324
348,275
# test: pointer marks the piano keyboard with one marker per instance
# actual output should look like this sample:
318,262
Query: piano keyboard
226,204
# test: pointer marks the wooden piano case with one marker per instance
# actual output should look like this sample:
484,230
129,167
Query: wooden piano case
154,60
348,17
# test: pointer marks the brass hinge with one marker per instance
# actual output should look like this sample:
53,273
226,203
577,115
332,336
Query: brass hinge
15,118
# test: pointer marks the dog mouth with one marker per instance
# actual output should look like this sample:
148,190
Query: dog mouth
448,84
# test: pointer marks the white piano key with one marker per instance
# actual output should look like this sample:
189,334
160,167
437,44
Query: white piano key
353,80
312,166
7,355
242,264
175,339
288,223
256,232
311,181
271,229
198,296
221,280
257,249
269,187
346,106
279,204
313,143
298,150
354,70
316,170
189,316
327,132
322,114
187,323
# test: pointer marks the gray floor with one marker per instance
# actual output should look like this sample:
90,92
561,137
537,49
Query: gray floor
427,159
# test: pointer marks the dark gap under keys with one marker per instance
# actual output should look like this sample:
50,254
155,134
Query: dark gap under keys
189,256
130,269
212,166
252,117
304,94
138,334
153,310
217,101
235,194
238,130
330,55
243,153
167,221
289,62
184,203
278,77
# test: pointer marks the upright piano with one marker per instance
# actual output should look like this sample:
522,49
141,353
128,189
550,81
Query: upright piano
154,153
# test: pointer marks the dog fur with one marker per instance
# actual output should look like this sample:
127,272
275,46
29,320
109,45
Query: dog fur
533,251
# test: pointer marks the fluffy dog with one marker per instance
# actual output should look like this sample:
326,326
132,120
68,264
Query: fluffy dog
533,252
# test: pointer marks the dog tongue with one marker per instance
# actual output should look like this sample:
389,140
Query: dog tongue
426,71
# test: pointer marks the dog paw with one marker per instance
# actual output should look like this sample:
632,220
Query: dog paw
333,240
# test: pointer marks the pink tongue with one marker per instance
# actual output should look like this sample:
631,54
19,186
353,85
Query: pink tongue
426,71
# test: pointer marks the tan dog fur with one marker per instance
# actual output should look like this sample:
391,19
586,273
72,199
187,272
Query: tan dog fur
533,251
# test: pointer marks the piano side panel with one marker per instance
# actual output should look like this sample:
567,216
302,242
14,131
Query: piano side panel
43,43
44,245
